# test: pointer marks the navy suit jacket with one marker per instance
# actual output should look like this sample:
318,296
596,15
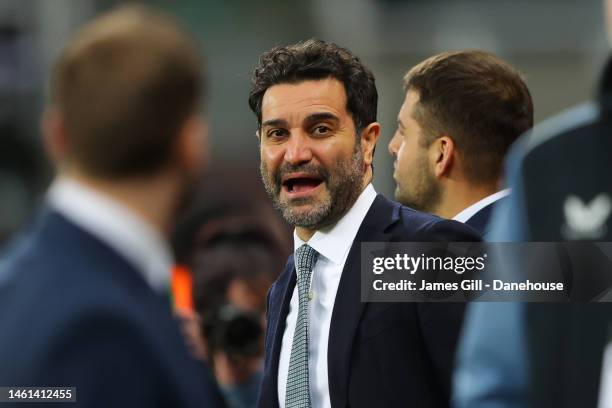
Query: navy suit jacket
74,313
480,220
380,354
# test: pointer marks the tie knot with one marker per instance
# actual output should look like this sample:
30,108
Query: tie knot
305,258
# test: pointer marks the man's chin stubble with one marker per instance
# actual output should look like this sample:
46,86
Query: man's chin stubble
315,217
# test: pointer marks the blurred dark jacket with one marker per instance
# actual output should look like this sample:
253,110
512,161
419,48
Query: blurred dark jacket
74,313
545,355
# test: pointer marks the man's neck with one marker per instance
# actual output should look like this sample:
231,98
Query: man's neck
304,233
151,200
458,199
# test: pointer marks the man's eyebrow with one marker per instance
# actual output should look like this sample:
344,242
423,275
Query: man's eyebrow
275,122
320,117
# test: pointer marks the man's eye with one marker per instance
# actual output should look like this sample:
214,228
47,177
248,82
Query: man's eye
321,130
277,133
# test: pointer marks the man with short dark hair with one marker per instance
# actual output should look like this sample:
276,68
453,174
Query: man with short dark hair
84,292
462,111
316,108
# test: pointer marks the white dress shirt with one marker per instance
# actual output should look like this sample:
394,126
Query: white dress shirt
333,245
124,231
469,212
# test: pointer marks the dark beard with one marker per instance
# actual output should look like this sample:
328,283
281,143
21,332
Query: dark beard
343,183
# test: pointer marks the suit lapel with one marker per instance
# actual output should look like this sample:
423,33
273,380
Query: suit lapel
280,299
348,306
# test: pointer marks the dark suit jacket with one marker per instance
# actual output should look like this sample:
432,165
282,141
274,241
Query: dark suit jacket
380,354
480,220
75,313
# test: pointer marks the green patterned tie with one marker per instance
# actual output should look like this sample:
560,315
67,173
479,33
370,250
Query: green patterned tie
298,390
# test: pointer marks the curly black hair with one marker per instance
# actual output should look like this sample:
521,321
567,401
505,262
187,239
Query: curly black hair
316,59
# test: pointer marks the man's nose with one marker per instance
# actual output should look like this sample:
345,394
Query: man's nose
299,149
394,144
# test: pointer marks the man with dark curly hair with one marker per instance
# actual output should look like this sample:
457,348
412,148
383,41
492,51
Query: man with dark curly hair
315,104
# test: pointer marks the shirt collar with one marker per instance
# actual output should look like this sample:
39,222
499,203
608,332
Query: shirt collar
469,212
119,227
334,242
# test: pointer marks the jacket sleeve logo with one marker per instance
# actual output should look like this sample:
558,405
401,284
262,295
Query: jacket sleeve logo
586,220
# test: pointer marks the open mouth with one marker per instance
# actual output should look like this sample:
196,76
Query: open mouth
301,184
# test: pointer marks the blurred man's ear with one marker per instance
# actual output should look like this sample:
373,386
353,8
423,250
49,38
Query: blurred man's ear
54,134
369,136
442,155
192,145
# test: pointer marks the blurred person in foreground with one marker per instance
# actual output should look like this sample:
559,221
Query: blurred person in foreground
84,293
462,111
518,355
316,106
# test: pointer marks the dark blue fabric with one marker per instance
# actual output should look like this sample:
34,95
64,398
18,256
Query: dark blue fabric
75,313
480,220
380,354
531,354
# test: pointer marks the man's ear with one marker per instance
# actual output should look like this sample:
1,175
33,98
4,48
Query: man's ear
192,145
442,154
369,137
53,130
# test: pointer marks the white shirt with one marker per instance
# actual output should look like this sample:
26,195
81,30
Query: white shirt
117,226
333,245
469,212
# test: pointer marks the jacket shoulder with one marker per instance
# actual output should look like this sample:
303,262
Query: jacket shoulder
419,226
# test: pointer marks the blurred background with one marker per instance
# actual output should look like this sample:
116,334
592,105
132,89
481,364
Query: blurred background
558,44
